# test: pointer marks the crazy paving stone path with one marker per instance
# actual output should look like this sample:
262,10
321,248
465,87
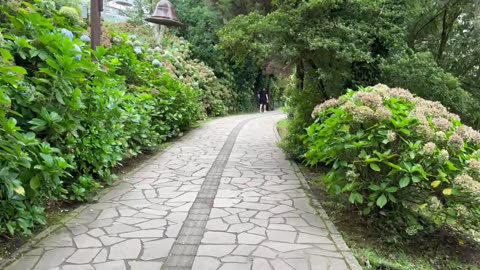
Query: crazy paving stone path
222,198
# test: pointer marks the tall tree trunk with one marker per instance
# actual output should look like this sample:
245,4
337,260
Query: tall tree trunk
300,74
448,23
318,82
444,35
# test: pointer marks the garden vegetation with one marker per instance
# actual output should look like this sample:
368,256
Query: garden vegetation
69,115
405,160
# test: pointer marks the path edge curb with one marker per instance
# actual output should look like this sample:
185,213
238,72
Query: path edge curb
334,233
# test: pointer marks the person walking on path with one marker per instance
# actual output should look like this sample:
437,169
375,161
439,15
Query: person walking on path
263,98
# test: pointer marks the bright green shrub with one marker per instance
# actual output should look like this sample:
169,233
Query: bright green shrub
174,104
405,162
30,171
216,95
72,14
67,99
66,120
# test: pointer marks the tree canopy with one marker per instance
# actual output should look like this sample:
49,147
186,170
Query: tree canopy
338,44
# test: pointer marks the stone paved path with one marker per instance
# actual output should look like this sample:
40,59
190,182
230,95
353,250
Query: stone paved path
222,198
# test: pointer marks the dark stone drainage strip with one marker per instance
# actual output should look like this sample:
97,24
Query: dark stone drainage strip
185,247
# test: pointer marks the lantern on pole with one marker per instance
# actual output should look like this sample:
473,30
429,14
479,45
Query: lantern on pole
164,15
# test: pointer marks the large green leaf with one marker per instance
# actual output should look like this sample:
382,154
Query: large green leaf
35,182
404,181
382,201
19,190
375,167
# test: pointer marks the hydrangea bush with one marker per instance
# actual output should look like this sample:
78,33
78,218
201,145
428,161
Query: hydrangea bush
65,120
217,94
402,160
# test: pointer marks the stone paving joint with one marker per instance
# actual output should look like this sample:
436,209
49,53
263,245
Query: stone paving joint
224,197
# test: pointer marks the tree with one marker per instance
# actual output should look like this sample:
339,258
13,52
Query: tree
339,44
331,43
201,21
232,8
140,10
200,26
450,30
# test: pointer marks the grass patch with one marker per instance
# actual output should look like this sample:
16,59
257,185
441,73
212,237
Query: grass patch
282,127
374,250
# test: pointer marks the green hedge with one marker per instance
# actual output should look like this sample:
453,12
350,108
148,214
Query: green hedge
66,120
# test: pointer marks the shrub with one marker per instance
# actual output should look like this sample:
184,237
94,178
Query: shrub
72,14
175,104
30,170
66,121
299,107
174,55
402,160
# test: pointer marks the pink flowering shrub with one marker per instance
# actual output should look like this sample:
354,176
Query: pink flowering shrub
402,160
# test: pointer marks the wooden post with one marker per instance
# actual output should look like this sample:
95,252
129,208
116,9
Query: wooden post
96,6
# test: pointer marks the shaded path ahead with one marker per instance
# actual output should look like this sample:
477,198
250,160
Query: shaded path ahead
224,197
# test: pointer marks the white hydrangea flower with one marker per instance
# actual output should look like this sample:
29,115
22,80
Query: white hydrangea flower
429,148
156,63
138,50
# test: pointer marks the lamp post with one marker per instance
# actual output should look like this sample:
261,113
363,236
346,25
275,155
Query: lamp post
164,15
96,7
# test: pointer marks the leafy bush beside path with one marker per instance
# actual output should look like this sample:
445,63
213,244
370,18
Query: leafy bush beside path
66,121
407,164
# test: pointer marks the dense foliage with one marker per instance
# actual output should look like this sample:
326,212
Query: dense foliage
402,160
66,120
425,46
202,20
429,47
